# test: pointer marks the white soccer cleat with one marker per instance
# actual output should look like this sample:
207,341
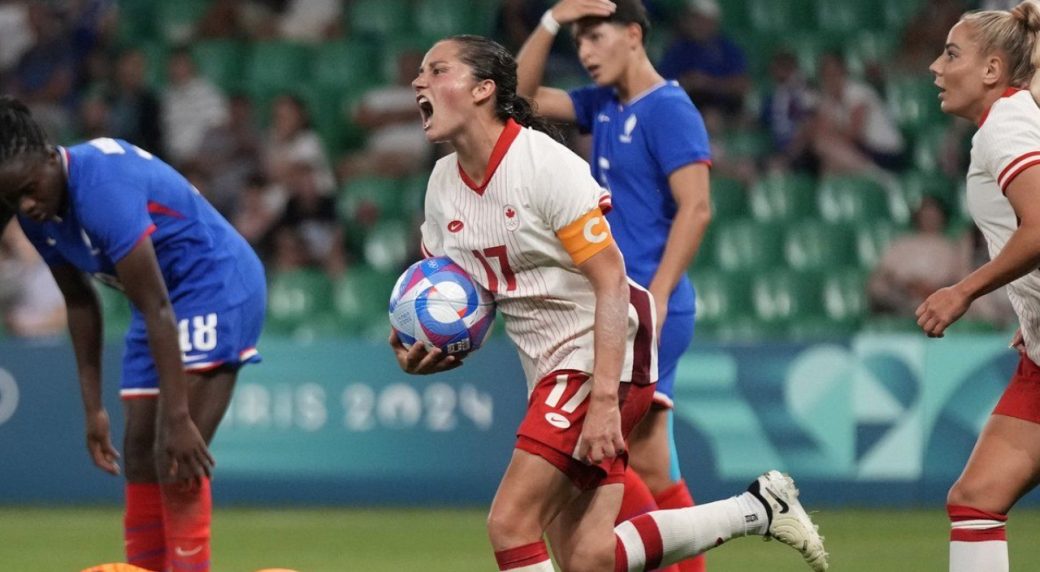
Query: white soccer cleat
789,523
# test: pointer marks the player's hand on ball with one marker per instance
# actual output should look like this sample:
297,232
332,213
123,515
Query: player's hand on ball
941,309
601,436
99,442
568,11
418,360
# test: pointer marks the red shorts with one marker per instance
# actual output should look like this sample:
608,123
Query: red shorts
555,414
1021,399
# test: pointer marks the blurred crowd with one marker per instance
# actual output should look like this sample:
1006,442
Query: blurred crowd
303,202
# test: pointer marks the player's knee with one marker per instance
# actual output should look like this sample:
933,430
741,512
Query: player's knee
139,460
508,528
976,494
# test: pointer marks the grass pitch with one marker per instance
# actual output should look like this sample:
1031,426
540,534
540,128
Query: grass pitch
373,540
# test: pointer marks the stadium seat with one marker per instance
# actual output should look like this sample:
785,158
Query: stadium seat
809,47
897,13
750,145
441,18
706,252
349,66
914,186
781,295
928,145
380,18
721,296
115,311
727,198
297,297
220,61
782,17
783,197
852,199
369,199
817,245
387,245
747,245
872,239
844,293
844,17
177,20
136,21
868,46
914,102
360,299
277,66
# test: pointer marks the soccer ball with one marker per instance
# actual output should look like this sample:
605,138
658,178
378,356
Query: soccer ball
437,303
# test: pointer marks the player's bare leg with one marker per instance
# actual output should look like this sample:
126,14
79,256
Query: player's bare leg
531,494
650,455
1004,465
582,535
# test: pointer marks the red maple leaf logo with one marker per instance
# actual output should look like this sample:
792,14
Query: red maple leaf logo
510,213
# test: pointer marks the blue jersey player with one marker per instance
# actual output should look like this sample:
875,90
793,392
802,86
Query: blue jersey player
650,150
108,209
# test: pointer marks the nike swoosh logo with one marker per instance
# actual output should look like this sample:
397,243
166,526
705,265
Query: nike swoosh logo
182,552
51,241
189,359
783,506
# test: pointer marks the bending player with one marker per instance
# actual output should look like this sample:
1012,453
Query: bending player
109,209
584,332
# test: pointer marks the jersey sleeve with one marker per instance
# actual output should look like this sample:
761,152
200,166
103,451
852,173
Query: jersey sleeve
676,135
571,202
115,215
586,101
36,237
1009,144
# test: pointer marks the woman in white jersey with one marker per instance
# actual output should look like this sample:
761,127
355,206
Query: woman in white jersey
984,74
521,213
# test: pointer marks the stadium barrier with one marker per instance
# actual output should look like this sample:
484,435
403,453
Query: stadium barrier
871,420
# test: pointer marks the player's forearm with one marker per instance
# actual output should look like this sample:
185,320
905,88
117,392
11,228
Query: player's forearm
530,61
1019,256
84,323
684,240
164,344
610,334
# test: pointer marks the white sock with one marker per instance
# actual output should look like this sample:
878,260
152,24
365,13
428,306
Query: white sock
988,556
664,537
978,540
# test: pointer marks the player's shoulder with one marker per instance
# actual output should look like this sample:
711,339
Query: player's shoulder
668,96
1012,111
547,153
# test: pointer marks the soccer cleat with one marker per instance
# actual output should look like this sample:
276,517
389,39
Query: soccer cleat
788,521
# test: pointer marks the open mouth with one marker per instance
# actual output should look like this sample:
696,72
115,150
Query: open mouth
425,110
593,69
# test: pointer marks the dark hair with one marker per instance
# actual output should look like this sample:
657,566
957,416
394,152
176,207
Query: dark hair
489,60
627,12
19,133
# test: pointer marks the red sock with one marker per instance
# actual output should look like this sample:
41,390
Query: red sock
143,527
529,557
188,511
637,499
678,496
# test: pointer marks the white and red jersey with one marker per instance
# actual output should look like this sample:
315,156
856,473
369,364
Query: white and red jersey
522,235
1006,144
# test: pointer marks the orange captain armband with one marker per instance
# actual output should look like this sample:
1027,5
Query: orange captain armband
586,236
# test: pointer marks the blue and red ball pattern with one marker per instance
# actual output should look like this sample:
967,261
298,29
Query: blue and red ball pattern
437,303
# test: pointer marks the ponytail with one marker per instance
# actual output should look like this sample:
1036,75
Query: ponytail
522,110
1027,14
1014,34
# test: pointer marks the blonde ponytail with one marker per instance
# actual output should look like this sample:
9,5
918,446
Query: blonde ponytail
1014,34
1027,14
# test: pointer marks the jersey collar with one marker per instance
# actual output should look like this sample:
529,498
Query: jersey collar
1007,93
505,139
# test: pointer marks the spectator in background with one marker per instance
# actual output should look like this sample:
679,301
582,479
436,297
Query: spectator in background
312,215
135,108
855,133
708,65
311,21
291,140
93,121
787,113
916,264
395,144
228,156
30,303
15,30
46,72
257,213
191,105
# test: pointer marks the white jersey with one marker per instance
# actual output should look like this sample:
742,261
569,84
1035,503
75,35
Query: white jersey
1006,144
522,235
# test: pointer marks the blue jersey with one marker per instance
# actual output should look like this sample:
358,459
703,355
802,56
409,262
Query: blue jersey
119,194
635,147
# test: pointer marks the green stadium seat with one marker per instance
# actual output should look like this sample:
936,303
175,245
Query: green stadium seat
295,298
914,186
844,293
155,55
872,239
380,18
136,22
177,20
784,197
220,61
368,199
705,258
115,311
897,13
277,66
387,245
852,199
928,144
348,66
844,17
721,296
782,295
360,299
869,46
748,245
441,18
914,102
778,16
809,47
330,111
728,198
750,145
815,245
